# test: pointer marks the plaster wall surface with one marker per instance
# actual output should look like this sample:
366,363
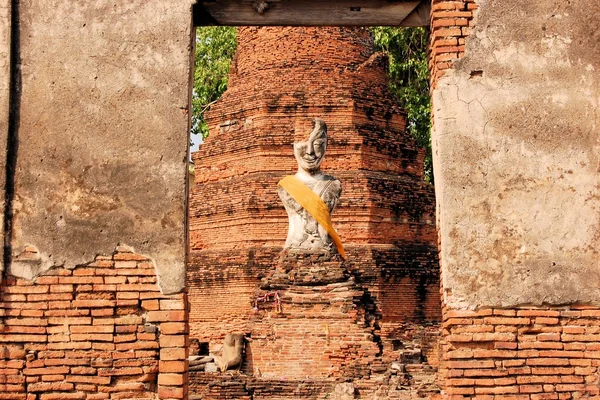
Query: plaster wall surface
516,151
102,140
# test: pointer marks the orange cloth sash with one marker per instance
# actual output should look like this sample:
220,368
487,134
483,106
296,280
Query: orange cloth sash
315,206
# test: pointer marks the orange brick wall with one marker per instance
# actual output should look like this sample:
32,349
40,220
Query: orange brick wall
99,331
524,353
451,24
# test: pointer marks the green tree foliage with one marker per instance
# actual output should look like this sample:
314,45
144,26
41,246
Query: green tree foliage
215,48
409,76
409,80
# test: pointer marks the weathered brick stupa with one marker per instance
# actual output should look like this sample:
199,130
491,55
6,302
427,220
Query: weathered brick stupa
371,319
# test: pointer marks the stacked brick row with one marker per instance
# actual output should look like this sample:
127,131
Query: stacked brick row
451,24
524,353
99,331
244,387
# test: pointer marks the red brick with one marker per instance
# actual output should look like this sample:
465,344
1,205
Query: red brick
552,371
26,289
169,392
69,345
171,328
83,371
25,330
146,336
507,321
138,288
129,256
505,345
65,361
172,341
173,354
84,271
92,328
150,305
169,367
97,303
546,321
590,313
103,312
497,390
81,280
119,371
53,378
67,313
530,388
125,264
103,346
490,337
575,330
460,390
22,338
85,387
447,32
471,364
115,280
46,280
102,264
453,14
70,321
50,386
570,387
124,338
171,379
46,371
137,345
49,297
62,396
481,353
128,320
166,316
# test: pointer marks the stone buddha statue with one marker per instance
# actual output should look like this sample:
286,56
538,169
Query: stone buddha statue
310,196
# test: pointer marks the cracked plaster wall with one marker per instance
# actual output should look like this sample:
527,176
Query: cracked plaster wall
102,140
516,157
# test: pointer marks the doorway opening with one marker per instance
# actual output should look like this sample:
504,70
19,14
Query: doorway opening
236,219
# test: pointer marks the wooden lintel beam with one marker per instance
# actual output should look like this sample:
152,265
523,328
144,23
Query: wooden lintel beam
312,12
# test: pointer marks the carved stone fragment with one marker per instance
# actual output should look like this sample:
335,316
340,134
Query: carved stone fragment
233,351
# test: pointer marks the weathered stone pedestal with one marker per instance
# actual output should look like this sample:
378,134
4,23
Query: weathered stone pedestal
305,269
319,326
313,325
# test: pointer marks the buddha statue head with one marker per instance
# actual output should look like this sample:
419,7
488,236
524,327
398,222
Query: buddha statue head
309,154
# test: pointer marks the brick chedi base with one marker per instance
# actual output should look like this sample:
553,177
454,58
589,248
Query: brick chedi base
383,302
321,311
